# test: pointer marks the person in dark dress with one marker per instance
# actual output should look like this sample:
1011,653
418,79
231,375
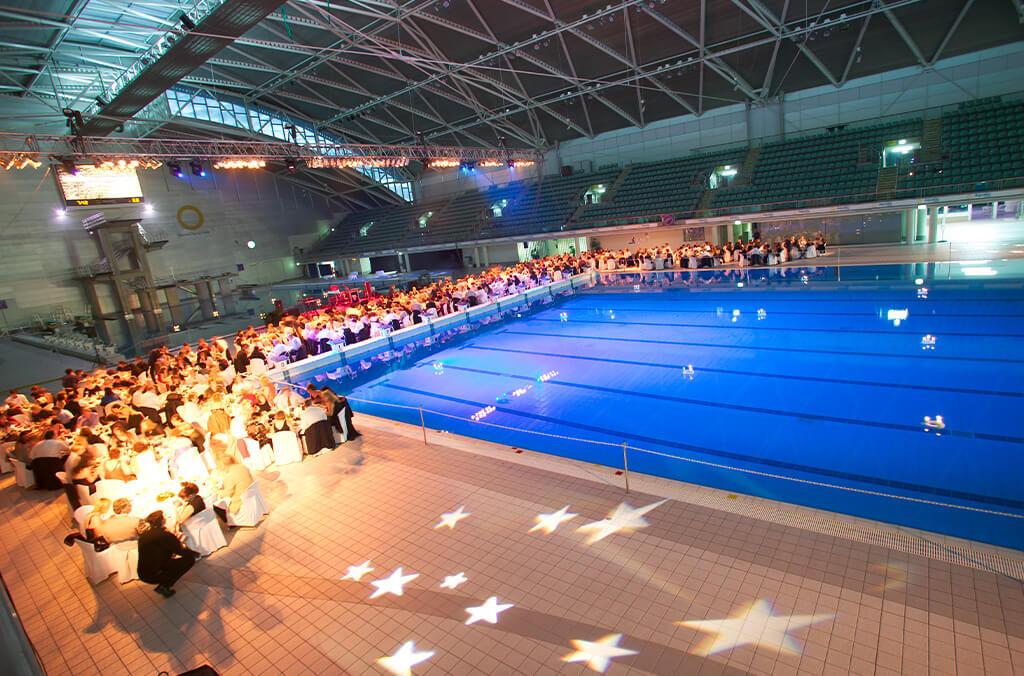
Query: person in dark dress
341,414
162,557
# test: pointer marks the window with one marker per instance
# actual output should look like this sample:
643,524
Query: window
365,229
595,194
497,209
198,105
424,219
722,176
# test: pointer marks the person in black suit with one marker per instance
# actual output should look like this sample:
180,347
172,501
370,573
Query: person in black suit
162,557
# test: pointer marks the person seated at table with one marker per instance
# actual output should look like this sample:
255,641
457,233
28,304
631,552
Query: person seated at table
162,557
121,526
191,502
316,429
234,478
87,471
116,466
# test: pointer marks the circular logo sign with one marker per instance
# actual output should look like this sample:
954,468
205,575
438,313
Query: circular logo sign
190,217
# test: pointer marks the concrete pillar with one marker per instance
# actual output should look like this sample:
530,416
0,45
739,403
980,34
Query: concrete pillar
227,295
205,295
175,306
970,211
995,210
146,307
933,225
486,259
476,256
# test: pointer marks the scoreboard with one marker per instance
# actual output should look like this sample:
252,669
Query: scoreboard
91,186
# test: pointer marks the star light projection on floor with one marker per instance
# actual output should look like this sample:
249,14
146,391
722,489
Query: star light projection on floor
597,654
356,573
402,662
488,612
453,581
451,518
392,584
625,518
751,625
550,522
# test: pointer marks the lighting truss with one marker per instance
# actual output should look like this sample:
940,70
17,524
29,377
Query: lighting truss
159,149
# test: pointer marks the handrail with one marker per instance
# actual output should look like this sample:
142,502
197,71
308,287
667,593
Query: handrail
626,446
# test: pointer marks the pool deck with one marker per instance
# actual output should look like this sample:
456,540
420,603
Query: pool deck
704,583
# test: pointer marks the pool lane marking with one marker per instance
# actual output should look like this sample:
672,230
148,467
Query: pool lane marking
732,327
620,434
704,369
747,409
692,296
768,349
605,308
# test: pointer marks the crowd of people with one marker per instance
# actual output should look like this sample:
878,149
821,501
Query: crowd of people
144,448
315,332
180,433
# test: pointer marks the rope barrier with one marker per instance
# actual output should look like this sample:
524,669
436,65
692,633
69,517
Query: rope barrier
696,461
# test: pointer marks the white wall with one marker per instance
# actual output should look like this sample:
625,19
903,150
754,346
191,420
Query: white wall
990,72
40,245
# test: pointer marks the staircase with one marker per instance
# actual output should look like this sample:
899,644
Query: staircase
704,204
746,172
886,185
931,141
613,189
609,196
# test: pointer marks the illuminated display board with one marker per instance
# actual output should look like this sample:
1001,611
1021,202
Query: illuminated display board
92,186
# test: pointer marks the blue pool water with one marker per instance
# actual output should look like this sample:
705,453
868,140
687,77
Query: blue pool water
801,393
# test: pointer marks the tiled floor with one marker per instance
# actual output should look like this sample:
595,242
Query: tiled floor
700,590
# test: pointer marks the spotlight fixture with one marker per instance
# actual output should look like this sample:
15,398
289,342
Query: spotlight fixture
250,163
467,166
197,168
74,120
100,101
187,23
291,165
175,169
68,165
443,163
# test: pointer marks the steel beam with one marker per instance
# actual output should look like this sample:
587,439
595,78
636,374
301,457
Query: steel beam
952,30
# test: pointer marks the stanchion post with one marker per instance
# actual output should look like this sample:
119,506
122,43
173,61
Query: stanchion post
625,464
423,426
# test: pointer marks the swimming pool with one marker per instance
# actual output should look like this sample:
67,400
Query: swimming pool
798,392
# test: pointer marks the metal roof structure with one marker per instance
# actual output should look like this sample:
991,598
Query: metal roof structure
525,73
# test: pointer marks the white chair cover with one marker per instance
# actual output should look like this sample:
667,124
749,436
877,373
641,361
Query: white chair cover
84,497
126,556
112,489
811,252
189,466
99,565
82,516
256,460
257,367
286,447
202,532
22,475
252,510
